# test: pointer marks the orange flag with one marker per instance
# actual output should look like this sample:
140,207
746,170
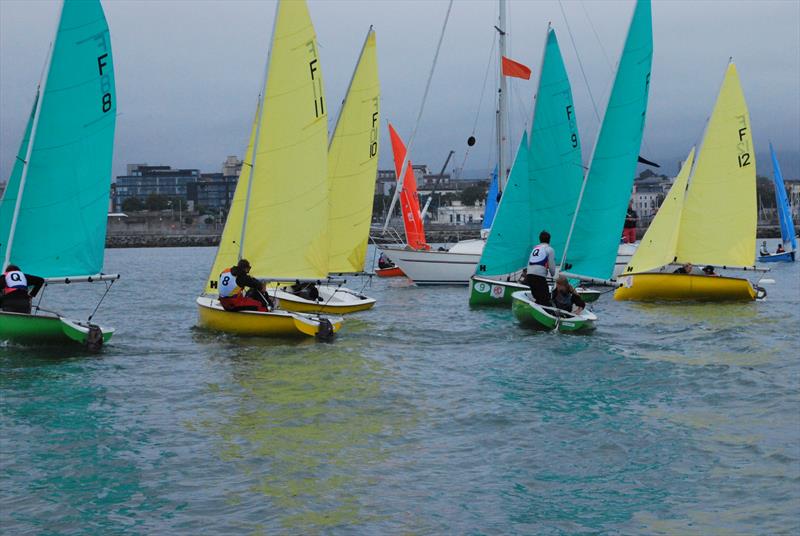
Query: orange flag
515,69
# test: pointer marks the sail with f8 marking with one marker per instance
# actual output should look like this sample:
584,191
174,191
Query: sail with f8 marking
53,214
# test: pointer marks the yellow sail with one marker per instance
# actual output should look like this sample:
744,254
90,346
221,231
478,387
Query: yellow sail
281,199
228,250
718,223
353,165
660,242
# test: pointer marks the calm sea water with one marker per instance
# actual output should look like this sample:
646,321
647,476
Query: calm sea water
424,417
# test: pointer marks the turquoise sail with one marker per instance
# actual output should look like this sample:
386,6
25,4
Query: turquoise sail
502,253
9,200
491,202
601,214
546,177
555,166
782,202
61,224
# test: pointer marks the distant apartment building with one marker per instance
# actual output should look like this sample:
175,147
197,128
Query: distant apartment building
211,191
143,181
793,188
648,194
386,179
460,214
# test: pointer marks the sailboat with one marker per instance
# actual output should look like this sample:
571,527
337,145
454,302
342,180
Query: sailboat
542,189
53,212
709,217
352,166
788,235
279,214
592,242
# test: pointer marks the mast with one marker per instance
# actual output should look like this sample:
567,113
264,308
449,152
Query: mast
349,85
21,190
502,104
258,132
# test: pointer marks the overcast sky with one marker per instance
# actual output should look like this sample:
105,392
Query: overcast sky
188,72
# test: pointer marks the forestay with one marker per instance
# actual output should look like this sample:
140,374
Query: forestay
353,165
601,214
61,225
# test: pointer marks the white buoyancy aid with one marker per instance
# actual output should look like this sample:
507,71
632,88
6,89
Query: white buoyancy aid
541,260
15,280
227,285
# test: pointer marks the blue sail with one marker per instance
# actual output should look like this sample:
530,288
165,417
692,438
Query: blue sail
782,203
491,202
61,225
601,214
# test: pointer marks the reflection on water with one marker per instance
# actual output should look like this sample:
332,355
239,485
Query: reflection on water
308,424
423,417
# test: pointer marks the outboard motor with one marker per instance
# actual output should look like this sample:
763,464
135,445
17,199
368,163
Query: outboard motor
94,339
325,332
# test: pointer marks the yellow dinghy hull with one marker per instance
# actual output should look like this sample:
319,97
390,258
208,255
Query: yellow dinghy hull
683,287
276,323
333,300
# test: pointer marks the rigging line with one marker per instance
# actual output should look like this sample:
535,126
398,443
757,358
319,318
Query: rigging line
419,118
480,101
596,36
580,63
103,297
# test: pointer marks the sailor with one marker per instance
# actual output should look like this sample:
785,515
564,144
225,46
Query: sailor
629,229
17,289
684,269
384,261
233,281
764,252
780,249
541,261
709,270
564,296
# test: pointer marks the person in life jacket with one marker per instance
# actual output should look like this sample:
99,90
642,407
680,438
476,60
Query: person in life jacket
17,289
629,228
565,297
232,297
541,261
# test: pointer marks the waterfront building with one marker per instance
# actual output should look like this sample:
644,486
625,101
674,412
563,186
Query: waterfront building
143,181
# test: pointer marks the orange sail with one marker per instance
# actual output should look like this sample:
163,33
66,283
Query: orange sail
409,200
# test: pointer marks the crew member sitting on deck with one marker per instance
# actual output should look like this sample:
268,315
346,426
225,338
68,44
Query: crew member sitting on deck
17,289
685,269
307,291
232,283
629,229
385,262
709,270
564,296
541,261
780,249
764,252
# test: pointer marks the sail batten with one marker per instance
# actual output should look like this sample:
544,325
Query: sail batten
61,221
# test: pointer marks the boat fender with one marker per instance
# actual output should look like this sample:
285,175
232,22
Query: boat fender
761,293
94,339
325,332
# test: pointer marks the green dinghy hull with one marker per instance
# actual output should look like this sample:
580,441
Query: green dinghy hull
45,329
530,314
487,292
